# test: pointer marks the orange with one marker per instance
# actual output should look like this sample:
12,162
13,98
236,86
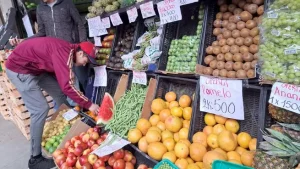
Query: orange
212,141
167,104
187,113
220,119
208,130
199,164
170,96
252,144
233,155
185,141
222,152
77,108
153,136
176,111
154,119
200,137
240,150
161,126
247,158
218,128
183,133
185,101
176,137
143,145
244,139
143,125
186,124
197,151
234,136
173,124
232,125
166,134
170,156
158,105
181,163
210,157
134,135
156,150
169,143
190,161
226,141
154,128
164,114
181,150
209,119
193,166
173,104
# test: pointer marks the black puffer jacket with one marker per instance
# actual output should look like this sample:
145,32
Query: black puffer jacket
61,21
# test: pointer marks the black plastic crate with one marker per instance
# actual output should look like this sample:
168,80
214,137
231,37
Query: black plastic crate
141,157
253,98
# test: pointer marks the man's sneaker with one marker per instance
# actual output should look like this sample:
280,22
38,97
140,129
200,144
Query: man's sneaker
40,163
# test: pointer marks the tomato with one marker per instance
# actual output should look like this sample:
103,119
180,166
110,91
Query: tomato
119,164
119,154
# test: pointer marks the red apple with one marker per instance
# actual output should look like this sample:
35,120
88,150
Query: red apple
99,163
83,159
77,143
74,139
71,161
71,149
133,161
64,151
99,141
60,159
142,166
92,158
78,151
111,160
87,166
60,163
56,153
90,130
119,164
86,138
90,143
94,147
103,136
81,135
129,165
119,154
71,154
108,167
78,165
94,135
84,146
86,152
67,144
64,166
104,158
128,156
97,129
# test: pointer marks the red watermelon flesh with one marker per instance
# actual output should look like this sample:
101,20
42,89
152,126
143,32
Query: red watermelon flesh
105,113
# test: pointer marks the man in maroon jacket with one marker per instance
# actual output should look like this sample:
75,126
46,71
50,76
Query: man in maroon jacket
47,63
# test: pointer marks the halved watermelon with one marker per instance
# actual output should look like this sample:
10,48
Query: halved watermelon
106,113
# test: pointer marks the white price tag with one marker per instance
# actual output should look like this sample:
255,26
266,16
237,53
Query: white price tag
222,97
290,51
97,41
185,2
95,26
139,77
169,11
132,14
286,96
272,15
70,114
147,9
116,19
106,22
100,76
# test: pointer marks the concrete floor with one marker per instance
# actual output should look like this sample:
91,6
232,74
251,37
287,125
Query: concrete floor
14,148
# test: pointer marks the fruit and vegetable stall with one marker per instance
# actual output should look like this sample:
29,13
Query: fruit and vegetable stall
209,84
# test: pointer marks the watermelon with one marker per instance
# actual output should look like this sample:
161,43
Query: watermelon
106,113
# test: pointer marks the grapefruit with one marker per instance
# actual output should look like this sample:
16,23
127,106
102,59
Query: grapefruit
220,119
143,145
193,166
185,141
186,124
176,111
154,128
173,124
158,105
170,156
233,155
244,139
176,137
134,135
181,150
173,104
156,150
181,163
200,137
161,126
166,134
169,143
187,113
167,104
218,128
208,130
170,96
240,150
154,119
143,125
197,151
185,101
222,152
210,157
164,114
209,119
199,164
252,144
153,136
189,160
247,158
212,141
232,125
183,133
226,141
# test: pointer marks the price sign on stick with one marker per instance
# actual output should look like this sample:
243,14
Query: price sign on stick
132,14
116,19
97,41
95,26
147,9
185,2
106,22
100,76
139,77
69,115
286,96
222,97
169,11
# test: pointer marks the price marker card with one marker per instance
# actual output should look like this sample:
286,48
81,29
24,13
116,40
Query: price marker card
97,41
139,77
116,19
106,22
95,26
169,11
222,97
185,2
132,14
69,115
286,96
147,9
100,76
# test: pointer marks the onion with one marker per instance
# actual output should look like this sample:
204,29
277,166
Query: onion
219,15
234,18
217,23
215,43
231,26
221,2
208,70
235,33
236,2
254,32
225,49
253,48
245,16
209,50
216,50
231,7
227,34
237,11
256,40
240,25
217,31
208,59
260,10
239,41
219,37
224,8
258,2
216,72
230,41
252,8
234,49
242,4
222,42
244,49
226,15
245,32
248,41
250,24
225,23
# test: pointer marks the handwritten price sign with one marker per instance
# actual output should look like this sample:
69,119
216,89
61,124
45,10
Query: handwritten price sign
116,19
132,14
95,26
139,77
147,9
106,22
100,76
222,97
69,115
97,41
185,2
286,96
169,11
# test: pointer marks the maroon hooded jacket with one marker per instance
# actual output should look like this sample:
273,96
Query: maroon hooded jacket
45,54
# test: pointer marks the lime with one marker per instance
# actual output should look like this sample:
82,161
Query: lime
52,140
51,150
48,145
55,144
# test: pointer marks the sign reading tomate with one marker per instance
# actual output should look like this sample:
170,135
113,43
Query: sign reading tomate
286,96
222,97
169,11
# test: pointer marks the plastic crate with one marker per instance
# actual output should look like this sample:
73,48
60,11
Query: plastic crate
220,164
172,165
253,97
141,158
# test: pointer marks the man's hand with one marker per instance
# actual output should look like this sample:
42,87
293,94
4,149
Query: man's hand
15,41
94,108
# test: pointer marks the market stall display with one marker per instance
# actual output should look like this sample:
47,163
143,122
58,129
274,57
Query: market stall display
100,6
105,51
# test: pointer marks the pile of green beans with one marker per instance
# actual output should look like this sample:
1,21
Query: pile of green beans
127,110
